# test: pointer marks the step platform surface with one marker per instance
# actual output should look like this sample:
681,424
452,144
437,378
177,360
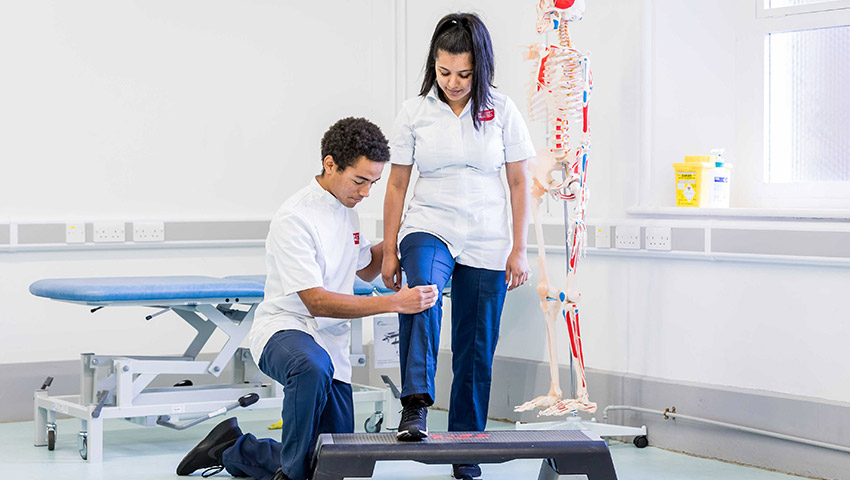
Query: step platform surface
564,452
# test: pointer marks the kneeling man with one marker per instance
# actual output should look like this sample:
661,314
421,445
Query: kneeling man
301,332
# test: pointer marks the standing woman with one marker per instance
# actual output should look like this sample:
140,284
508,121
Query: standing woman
459,133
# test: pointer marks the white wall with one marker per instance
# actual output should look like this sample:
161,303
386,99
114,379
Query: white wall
190,109
693,92
166,110
158,94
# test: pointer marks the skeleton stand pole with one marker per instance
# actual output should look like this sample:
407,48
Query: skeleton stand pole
564,176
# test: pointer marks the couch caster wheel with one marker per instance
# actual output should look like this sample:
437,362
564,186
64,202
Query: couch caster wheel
51,436
83,444
373,423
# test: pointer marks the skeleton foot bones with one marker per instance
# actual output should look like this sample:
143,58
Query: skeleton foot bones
552,403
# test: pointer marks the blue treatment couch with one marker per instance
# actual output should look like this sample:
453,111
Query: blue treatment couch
119,386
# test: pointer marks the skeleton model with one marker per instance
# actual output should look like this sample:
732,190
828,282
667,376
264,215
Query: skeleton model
559,94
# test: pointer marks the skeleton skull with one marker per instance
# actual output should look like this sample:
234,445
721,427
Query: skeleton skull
561,10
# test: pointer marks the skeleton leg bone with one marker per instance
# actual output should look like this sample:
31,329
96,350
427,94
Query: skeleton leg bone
549,304
582,401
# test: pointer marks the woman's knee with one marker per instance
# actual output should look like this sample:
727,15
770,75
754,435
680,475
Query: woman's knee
426,260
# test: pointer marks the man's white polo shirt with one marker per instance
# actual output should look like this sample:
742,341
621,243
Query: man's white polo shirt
314,241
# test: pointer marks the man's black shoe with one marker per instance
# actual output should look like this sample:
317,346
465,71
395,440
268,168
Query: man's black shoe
466,471
207,454
413,425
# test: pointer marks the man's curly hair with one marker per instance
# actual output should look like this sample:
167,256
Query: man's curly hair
350,138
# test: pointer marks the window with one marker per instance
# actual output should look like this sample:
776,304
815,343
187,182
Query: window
808,105
805,50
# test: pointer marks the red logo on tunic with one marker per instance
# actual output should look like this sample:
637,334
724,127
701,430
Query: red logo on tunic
486,115
357,238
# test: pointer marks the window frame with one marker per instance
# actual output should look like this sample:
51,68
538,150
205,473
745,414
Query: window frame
763,11
825,195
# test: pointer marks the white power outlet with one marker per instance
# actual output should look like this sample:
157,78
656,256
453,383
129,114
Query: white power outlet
658,238
75,233
627,237
109,232
148,231
603,237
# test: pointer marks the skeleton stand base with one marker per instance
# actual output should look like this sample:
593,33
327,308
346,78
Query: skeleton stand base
603,430
575,422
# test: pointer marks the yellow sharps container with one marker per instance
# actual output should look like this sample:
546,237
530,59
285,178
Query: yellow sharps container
695,182
703,181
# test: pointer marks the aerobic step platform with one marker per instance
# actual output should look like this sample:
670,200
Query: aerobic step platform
564,452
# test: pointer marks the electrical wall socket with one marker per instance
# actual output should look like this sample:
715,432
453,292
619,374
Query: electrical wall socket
627,237
658,238
603,237
109,232
75,233
148,231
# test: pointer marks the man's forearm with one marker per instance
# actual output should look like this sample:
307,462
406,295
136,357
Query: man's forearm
322,303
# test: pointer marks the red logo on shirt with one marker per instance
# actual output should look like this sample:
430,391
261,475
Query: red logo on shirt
486,115
357,238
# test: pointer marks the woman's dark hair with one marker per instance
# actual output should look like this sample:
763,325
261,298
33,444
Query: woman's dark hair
350,138
458,33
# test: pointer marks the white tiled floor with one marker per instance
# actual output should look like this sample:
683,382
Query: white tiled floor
133,452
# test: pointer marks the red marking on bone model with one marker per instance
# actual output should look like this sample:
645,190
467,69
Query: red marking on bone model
541,70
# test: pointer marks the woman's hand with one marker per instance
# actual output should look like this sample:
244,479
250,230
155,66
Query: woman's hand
516,269
391,271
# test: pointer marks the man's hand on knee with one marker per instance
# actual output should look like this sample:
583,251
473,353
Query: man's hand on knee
416,299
